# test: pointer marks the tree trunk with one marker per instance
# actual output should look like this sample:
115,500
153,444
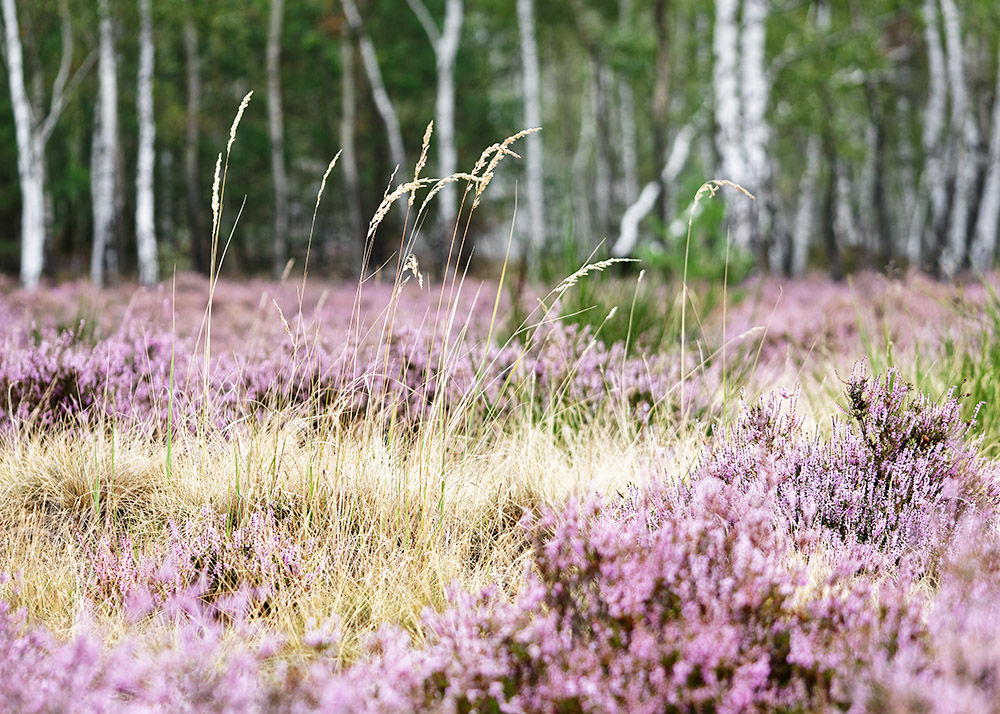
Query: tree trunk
805,226
935,178
661,96
145,227
383,104
754,92
102,182
532,118
965,135
626,113
29,155
985,245
805,214
195,200
726,86
348,157
276,133
582,206
603,162
31,133
628,234
445,43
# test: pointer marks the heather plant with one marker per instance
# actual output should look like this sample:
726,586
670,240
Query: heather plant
689,600
895,474
260,555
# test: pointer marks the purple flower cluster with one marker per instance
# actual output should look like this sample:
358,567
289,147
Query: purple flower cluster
704,610
141,378
896,470
207,551
689,596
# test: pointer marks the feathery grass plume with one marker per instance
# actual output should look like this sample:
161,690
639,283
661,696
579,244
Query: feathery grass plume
422,161
497,152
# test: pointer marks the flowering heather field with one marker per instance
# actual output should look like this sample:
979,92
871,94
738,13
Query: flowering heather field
320,502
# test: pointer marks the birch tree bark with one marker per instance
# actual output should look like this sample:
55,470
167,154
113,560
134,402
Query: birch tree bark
965,135
145,227
194,199
102,181
933,179
805,214
754,90
533,158
985,242
348,157
276,132
628,234
603,190
661,95
728,112
445,43
626,113
32,132
383,104
804,227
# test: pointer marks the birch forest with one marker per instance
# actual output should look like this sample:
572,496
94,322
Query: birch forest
868,133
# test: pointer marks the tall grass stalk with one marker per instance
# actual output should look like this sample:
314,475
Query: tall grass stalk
709,188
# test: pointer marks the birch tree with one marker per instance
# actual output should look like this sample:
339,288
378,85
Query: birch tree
805,223
628,234
985,244
276,133
965,138
626,115
32,133
145,228
445,41
383,104
741,89
533,159
348,158
102,180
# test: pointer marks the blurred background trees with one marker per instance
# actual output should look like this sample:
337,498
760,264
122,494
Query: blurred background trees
868,132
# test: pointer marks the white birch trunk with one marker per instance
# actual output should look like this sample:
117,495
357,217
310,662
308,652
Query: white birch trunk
805,215
985,245
192,115
844,214
445,43
626,115
102,182
383,104
630,154
805,226
583,208
754,91
145,227
276,134
349,159
628,234
31,133
965,136
602,160
728,111
533,158
30,157
934,177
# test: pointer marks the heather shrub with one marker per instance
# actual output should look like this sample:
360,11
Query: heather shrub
143,378
894,475
262,556
686,601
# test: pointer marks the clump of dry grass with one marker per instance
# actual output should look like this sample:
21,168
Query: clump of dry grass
389,525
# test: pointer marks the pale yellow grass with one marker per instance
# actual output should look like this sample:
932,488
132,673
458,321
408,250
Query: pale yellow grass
392,526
